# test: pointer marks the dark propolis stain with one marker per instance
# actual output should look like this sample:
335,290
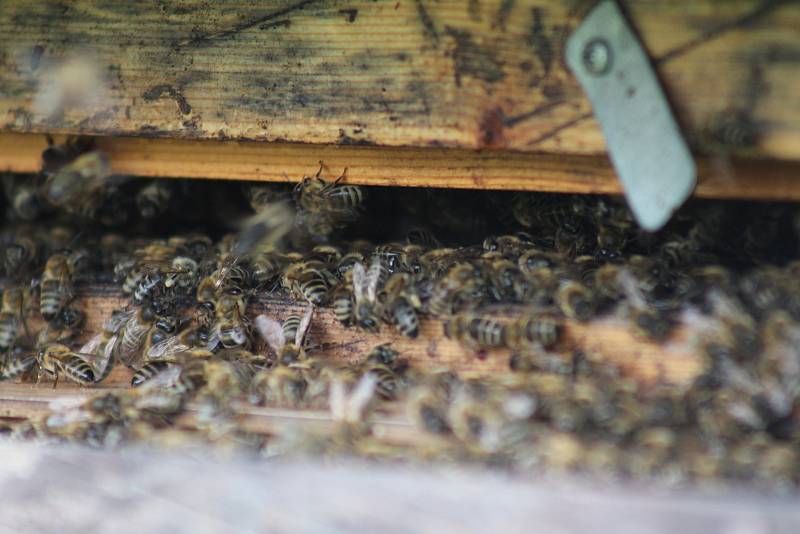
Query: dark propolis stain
474,10
427,22
474,60
501,17
203,39
351,14
36,56
157,91
765,8
541,44
491,128
283,23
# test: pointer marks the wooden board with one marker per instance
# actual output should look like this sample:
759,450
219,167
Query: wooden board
608,339
422,73
78,490
412,167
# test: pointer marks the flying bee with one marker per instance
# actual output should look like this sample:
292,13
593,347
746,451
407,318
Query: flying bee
575,300
23,196
531,329
400,301
19,255
365,288
82,185
153,199
12,314
286,350
476,332
56,285
263,230
260,195
230,325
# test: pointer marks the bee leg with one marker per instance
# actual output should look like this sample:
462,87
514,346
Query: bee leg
319,172
341,177
55,382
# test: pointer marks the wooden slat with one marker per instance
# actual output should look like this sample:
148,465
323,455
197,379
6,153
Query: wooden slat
457,73
78,490
610,340
431,167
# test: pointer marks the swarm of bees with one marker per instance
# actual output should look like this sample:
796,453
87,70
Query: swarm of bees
496,270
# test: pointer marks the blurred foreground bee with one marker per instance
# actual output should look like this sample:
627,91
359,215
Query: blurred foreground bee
80,186
153,199
476,331
286,350
365,289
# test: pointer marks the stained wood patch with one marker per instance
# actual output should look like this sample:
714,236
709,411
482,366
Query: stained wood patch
456,73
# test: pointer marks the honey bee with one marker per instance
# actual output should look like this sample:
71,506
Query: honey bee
459,279
18,366
56,285
81,185
575,300
428,402
531,329
309,280
165,347
135,326
263,230
286,350
365,290
23,196
59,360
153,199
315,195
230,326
343,305
12,314
476,332
266,267
347,262
400,301
19,255
282,386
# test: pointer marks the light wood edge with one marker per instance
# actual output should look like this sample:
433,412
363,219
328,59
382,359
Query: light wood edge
406,167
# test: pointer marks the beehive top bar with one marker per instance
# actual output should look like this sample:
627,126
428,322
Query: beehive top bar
469,74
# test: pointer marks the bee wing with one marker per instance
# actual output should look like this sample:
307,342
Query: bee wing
272,332
373,276
337,400
91,346
165,379
360,397
305,322
359,281
118,320
164,349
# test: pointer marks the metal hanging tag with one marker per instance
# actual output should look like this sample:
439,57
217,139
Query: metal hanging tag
645,144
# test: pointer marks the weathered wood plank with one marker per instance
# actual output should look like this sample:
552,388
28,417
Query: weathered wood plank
457,73
397,166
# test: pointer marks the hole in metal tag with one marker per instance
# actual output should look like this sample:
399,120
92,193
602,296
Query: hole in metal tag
645,144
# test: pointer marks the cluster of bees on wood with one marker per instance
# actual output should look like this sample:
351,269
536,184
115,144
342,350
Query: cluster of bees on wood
189,335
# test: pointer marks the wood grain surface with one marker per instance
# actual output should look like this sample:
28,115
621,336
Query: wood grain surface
420,73
607,339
